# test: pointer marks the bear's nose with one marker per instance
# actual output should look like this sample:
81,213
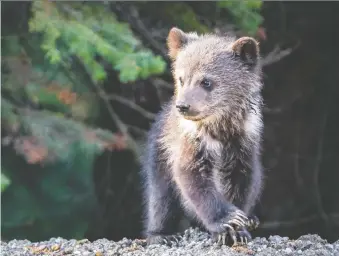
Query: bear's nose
182,107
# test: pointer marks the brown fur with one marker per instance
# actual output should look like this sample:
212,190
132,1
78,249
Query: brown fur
208,154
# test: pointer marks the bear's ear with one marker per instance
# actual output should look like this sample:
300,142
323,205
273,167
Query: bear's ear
176,40
247,48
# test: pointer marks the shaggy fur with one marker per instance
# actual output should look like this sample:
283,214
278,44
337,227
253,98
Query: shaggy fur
206,160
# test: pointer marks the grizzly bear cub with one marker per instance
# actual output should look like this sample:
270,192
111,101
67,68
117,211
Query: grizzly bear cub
203,150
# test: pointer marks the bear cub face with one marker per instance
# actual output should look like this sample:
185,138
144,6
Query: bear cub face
213,74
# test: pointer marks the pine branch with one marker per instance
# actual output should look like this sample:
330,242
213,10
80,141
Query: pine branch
122,127
277,54
132,105
131,15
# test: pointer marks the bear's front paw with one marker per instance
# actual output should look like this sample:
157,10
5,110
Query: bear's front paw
232,226
233,237
169,240
234,220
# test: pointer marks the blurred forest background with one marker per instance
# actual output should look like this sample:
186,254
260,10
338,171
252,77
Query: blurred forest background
82,81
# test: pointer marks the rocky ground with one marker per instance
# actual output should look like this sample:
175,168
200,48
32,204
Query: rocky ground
193,243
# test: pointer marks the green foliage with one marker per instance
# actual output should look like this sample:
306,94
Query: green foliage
246,13
56,188
29,77
89,31
50,201
46,169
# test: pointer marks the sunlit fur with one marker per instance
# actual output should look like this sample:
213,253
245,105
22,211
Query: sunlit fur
208,164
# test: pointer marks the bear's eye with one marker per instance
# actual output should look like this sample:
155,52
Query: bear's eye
207,84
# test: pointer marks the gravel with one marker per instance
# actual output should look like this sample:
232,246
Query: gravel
193,243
